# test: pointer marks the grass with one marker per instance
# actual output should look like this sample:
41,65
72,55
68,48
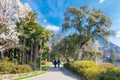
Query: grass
35,73
29,76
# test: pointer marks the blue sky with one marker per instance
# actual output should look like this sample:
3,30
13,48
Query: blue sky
50,12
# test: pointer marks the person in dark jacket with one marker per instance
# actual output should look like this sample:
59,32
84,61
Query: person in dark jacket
58,62
55,63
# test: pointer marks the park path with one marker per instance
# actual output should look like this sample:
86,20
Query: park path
56,74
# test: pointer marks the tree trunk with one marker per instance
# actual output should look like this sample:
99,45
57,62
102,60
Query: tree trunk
27,58
40,60
24,55
79,55
31,52
10,52
49,56
2,56
36,53
66,57
18,58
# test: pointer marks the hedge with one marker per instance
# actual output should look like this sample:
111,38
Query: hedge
9,67
92,71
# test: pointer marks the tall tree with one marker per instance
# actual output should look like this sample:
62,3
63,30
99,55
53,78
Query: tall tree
67,47
91,55
88,24
23,28
11,11
113,56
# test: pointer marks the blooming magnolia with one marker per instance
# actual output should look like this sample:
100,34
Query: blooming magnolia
11,11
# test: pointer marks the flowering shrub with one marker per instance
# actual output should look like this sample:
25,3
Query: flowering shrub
111,73
9,67
44,62
21,69
105,65
91,71
6,67
86,69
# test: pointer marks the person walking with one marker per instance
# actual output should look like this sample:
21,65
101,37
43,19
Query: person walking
55,63
58,62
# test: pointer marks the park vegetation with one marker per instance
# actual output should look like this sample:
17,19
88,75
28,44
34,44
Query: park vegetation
24,48
87,26
22,39
91,71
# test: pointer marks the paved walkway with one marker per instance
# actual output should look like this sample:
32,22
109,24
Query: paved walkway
56,74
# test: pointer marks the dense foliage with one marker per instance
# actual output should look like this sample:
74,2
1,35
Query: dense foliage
21,69
91,55
6,66
67,48
26,50
9,67
86,69
92,71
105,65
88,25
32,42
113,56
111,73
44,62
22,39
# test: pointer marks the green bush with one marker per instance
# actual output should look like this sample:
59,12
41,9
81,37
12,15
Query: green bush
6,66
44,62
87,69
9,67
21,69
111,73
91,71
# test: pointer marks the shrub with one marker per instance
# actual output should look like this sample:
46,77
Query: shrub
21,69
9,67
91,71
44,62
105,65
6,66
87,69
111,73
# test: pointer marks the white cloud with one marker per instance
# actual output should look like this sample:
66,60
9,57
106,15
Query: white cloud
45,20
118,35
52,27
101,1
115,40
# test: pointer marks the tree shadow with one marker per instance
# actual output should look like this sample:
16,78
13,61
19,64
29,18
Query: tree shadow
65,72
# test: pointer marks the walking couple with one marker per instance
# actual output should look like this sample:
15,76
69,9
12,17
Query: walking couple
57,62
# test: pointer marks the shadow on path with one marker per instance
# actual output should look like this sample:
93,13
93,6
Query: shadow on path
56,74
64,72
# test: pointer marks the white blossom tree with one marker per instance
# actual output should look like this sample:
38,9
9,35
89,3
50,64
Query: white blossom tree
11,11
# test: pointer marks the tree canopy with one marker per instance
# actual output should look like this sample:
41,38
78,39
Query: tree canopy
88,24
